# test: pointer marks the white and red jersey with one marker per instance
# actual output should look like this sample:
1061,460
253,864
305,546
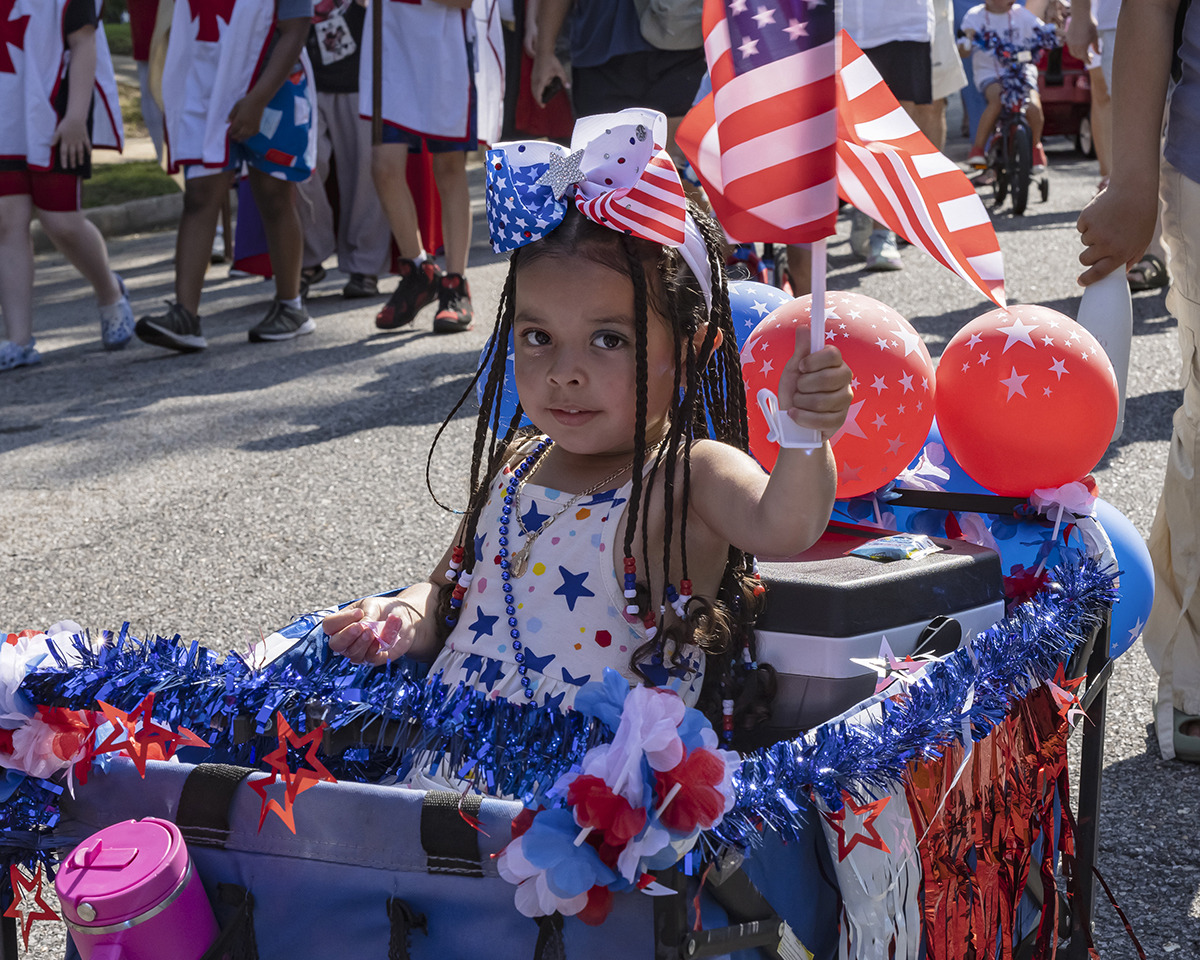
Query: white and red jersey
427,79
33,67
216,50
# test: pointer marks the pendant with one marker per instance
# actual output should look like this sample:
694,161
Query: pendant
520,560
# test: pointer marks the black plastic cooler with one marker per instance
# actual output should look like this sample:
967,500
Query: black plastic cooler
826,607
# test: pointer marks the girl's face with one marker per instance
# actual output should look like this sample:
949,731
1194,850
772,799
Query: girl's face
998,6
575,371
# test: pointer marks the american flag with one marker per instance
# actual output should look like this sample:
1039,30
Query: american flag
762,142
890,171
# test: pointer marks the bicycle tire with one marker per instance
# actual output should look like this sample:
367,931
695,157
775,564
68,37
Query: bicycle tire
1020,163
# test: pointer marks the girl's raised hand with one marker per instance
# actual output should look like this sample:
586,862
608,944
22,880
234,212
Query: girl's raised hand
815,389
373,631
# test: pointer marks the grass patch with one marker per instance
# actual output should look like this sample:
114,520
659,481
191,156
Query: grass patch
121,182
120,39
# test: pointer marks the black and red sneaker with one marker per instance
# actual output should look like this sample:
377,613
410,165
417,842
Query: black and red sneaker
455,314
418,286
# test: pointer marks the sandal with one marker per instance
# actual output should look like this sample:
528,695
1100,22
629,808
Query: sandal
1149,273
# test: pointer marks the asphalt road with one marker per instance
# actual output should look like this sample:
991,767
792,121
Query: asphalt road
219,494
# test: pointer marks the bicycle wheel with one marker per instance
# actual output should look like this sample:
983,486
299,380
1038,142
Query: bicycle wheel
1020,162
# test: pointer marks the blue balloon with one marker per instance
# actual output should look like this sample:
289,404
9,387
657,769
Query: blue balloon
1136,591
750,302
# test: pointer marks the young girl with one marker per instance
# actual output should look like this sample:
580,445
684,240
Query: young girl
619,531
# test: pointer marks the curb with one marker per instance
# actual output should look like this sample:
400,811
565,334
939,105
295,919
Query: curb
149,213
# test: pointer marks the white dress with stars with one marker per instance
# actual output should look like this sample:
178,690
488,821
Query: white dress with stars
569,604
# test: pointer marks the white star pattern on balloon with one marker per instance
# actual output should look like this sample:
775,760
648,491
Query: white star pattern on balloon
879,386
882,343
975,338
984,358
850,428
906,382
1017,333
911,340
1015,384
1058,367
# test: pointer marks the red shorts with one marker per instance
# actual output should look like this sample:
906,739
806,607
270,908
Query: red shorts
57,192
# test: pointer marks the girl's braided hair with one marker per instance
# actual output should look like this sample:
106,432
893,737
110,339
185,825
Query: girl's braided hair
708,400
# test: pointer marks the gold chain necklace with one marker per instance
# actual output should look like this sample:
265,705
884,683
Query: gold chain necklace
520,559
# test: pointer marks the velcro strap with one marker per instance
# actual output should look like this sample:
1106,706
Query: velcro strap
203,815
450,842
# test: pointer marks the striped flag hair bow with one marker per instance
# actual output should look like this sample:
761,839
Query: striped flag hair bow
889,170
616,171
762,143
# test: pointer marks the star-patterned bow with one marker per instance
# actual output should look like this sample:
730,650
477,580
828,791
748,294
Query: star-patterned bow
616,171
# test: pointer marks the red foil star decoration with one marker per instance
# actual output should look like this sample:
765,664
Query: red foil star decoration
295,781
19,910
1066,696
864,831
137,735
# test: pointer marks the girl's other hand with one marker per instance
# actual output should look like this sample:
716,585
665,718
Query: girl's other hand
815,389
373,631
71,137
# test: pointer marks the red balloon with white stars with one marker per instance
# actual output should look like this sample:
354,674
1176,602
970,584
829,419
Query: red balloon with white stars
1026,399
893,384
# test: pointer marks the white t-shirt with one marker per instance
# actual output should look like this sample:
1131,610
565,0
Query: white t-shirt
872,23
1016,26
1106,12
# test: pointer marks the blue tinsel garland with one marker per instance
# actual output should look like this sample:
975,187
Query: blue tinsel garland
515,750
1014,80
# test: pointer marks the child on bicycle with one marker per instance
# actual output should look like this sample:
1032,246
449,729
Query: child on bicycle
1016,29
620,530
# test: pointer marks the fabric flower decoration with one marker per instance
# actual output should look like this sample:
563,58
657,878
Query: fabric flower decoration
52,740
604,699
699,802
596,806
551,872
649,730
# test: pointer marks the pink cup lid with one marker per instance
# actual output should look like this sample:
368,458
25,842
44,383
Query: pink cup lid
122,871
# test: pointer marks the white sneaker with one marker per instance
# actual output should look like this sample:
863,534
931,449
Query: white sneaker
860,234
884,255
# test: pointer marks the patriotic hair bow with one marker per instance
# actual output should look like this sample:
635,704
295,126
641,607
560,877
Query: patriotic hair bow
618,174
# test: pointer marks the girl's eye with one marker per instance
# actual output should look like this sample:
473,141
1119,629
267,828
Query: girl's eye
535,338
608,341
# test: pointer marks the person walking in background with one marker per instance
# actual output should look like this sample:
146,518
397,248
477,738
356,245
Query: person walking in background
47,131
142,16
360,235
430,102
897,38
622,58
1115,228
948,75
222,111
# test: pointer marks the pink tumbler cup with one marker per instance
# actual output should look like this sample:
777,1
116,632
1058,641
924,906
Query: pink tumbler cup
129,892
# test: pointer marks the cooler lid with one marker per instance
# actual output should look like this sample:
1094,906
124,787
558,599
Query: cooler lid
827,592
120,872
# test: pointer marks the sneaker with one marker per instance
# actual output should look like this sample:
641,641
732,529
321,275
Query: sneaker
310,276
454,305
218,247
1039,156
860,234
361,285
977,159
116,320
883,254
282,322
14,355
418,286
178,330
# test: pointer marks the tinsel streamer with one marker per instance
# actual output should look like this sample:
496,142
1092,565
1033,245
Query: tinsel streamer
394,716
1014,82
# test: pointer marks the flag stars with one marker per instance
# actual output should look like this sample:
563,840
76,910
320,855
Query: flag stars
764,16
749,48
795,29
737,6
